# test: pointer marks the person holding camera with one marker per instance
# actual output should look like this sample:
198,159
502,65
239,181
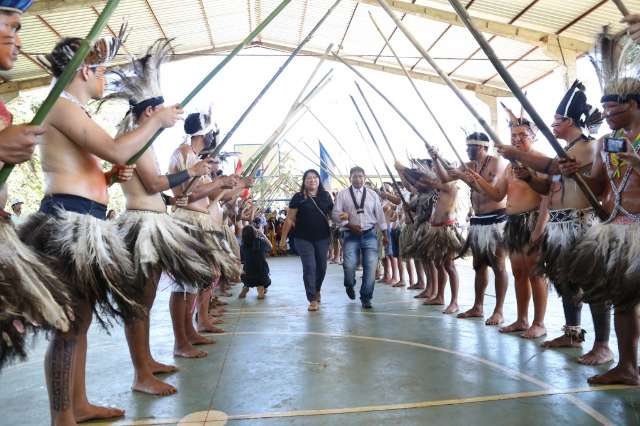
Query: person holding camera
571,216
309,211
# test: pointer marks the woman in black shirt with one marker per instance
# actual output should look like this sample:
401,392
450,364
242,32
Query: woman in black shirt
308,214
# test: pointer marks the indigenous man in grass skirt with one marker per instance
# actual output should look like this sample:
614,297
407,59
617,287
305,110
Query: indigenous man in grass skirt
486,227
606,263
441,243
422,205
29,293
88,253
570,216
201,130
157,242
523,219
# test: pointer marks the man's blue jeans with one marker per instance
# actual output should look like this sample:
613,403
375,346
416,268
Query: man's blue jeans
352,246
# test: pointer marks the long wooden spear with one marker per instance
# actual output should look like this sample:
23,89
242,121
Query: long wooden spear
329,132
386,99
384,136
515,88
67,75
314,162
215,71
387,42
364,143
293,54
622,7
296,107
492,133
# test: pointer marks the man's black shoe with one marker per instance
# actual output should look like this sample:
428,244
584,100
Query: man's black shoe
366,305
351,293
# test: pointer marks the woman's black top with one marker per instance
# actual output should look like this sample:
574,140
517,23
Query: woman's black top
311,221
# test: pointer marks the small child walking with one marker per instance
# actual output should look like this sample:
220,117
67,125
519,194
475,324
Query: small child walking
255,272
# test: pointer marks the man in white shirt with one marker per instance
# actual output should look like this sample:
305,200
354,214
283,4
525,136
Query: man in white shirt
358,210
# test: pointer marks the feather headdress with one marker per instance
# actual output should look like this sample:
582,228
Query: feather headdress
615,59
102,52
139,82
521,121
574,105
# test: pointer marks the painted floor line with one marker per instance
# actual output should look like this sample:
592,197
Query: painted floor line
425,404
596,415
386,407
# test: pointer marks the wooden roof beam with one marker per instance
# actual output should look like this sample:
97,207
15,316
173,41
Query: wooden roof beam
433,78
514,32
46,6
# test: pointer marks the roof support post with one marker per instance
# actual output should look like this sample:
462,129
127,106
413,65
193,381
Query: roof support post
492,103
566,59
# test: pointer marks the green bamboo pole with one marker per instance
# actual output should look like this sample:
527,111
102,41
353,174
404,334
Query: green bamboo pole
67,75
291,57
215,71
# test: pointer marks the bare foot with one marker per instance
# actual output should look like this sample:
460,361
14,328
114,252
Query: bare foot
214,320
534,332
616,376
153,386
495,319
451,309
600,354
209,328
200,340
159,368
563,341
94,412
472,313
421,295
434,302
516,326
189,352
399,284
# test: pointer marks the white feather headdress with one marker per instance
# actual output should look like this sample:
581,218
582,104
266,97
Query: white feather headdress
139,82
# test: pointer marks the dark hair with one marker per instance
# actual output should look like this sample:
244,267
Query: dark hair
248,236
59,57
479,136
304,176
356,169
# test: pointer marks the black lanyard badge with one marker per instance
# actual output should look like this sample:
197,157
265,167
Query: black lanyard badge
359,208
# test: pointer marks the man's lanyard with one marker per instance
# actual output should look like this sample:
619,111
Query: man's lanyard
359,208
615,161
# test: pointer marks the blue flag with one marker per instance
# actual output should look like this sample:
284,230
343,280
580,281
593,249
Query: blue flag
326,165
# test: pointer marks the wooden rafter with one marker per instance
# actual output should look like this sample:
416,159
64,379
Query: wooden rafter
437,40
157,21
207,23
557,33
493,37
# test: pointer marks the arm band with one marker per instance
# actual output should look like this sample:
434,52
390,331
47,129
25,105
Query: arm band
177,179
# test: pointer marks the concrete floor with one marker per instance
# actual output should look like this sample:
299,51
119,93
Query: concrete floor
401,363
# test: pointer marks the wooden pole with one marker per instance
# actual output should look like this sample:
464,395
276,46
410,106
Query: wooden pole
415,88
517,91
375,143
